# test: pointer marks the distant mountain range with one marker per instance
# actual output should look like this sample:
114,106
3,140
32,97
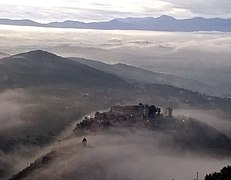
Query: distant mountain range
162,23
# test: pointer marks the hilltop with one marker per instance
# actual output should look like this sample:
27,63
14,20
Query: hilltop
39,68
185,133
175,135
42,94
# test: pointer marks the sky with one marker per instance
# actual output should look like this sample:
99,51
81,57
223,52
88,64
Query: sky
102,10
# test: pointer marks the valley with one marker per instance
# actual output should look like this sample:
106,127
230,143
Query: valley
43,98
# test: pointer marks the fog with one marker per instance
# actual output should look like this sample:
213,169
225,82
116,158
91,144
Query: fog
24,129
12,105
203,56
209,117
124,155
119,154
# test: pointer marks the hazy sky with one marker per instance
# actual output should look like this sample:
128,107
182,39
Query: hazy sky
91,10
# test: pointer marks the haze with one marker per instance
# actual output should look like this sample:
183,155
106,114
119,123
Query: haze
202,56
126,156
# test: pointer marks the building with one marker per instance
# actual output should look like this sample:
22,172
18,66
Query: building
117,110
142,111
168,112
132,111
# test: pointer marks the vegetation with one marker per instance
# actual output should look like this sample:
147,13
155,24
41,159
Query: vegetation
224,174
54,98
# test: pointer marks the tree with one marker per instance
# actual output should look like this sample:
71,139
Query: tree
224,174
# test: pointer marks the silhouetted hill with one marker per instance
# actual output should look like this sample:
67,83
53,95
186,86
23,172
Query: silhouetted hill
20,22
134,74
162,23
42,68
3,55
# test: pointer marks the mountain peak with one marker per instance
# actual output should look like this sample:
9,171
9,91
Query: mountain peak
166,17
41,67
35,55
132,19
198,18
38,53
161,23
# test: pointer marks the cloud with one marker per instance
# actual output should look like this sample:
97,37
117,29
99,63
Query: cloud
136,155
13,156
88,10
209,117
11,110
203,56
207,8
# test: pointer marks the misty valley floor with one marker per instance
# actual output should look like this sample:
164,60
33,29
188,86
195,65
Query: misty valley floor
126,155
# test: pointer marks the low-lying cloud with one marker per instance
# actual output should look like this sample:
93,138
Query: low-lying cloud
202,56
209,117
136,156
11,109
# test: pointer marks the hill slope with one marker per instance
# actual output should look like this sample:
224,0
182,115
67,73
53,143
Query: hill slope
45,103
134,74
41,68
189,136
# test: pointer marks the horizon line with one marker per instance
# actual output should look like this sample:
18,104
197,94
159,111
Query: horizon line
88,22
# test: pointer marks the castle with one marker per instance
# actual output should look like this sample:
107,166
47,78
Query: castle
130,114
141,110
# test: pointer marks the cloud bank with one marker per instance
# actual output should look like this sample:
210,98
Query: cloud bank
89,10
202,56
126,156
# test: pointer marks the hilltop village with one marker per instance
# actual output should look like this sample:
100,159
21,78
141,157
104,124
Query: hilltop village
128,116
184,133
